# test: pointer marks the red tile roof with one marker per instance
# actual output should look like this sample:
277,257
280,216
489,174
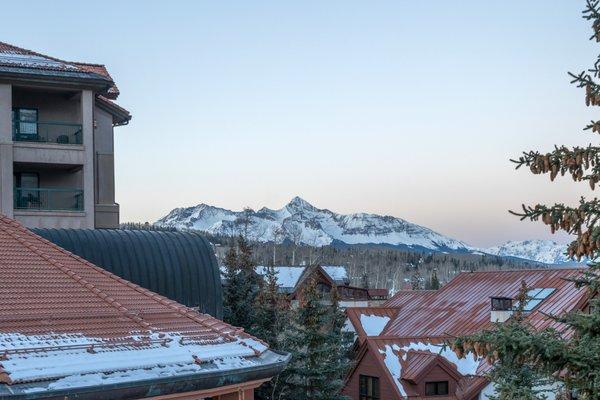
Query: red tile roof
52,300
13,56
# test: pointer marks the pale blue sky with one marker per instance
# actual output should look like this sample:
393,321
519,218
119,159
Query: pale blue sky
407,108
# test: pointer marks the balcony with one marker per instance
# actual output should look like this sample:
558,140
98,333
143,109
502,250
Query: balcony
36,199
47,132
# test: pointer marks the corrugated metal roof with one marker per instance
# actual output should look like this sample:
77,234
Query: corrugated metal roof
178,265
462,306
407,298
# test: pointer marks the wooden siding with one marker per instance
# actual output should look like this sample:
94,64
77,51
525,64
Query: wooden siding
370,366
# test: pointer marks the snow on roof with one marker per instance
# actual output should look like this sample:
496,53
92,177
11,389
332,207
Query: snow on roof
392,363
46,357
337,273
287,277
35,61
373,324
395,356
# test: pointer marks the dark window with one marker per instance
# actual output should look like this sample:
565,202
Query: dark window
368,388
436,388
27,180
25,122
501,304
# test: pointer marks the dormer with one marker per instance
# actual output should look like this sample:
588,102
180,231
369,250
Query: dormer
501,309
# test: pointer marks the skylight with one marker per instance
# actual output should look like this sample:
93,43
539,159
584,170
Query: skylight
536,296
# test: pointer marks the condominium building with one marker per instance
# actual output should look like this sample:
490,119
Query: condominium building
56,141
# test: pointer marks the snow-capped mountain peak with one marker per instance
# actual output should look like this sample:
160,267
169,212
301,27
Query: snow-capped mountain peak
545,251
301,222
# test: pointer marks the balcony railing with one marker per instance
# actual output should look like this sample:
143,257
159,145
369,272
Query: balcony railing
47,132
48,199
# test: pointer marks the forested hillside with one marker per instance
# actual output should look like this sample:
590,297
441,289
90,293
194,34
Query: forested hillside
378,266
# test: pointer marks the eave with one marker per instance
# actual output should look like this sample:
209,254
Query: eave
274,363
63,79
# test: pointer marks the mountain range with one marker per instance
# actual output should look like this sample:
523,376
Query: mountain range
544,251
302,223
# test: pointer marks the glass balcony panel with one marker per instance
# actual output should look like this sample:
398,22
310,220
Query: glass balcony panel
47,132
48,199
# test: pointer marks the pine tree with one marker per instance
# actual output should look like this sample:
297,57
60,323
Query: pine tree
416,281
574,360
271,317
434,282
515,375
339,343
271,311
314,371
241,286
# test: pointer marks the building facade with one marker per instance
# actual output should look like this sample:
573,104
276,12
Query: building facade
56,141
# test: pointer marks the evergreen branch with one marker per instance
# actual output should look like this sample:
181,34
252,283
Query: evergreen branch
582,163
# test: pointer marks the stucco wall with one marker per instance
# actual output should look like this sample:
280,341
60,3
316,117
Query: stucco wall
6,151
106,210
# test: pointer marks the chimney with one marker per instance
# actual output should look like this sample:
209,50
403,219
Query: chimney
501,309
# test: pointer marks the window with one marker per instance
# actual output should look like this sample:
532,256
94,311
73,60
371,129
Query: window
501,304
536,296
25,122
368,388
436,388
27,180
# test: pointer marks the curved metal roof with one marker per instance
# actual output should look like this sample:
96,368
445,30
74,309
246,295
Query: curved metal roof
178,265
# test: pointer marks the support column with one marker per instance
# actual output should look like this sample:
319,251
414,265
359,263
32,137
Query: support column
87,122
6,151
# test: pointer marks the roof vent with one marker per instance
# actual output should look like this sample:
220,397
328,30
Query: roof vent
502,309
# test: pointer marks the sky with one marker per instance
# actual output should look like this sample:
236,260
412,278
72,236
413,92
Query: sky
403,108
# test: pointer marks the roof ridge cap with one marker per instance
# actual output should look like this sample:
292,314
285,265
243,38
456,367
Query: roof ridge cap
88,63
67,271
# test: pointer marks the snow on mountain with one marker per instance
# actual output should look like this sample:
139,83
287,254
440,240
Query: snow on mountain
301,222
545,251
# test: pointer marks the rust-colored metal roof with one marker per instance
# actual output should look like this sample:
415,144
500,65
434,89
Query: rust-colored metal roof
462,306
425,319
48,292
406,298
13,56
417,363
